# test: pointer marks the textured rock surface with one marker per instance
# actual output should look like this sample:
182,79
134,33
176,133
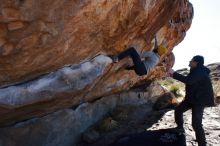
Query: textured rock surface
64,127
215,76
39,39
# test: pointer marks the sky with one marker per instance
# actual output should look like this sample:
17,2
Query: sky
203,37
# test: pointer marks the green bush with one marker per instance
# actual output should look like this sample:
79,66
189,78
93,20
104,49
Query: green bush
165,82
107,124
175,90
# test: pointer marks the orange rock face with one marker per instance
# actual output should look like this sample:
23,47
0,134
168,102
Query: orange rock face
38,37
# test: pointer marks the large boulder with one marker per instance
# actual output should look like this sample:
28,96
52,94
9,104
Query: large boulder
53,54
65,127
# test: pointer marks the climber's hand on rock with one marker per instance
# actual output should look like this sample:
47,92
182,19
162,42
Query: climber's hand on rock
171,71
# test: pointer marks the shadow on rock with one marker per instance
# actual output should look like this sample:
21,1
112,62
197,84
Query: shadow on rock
130,120
163,137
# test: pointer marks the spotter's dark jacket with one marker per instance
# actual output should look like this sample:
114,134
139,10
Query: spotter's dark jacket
198,86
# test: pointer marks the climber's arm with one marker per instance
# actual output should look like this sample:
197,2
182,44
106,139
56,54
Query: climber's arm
155,49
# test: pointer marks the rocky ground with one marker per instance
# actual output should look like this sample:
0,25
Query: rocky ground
140,119
126,120
211,118
211,123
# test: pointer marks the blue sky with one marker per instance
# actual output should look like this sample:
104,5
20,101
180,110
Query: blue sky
203,37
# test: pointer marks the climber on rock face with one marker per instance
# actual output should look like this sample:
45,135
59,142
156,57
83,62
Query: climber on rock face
199,94
143,63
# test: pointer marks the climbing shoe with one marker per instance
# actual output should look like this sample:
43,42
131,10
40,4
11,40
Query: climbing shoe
114,58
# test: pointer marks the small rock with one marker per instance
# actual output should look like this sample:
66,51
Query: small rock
10,14
156,87
217,99
207,133
91,136
15,25
167,100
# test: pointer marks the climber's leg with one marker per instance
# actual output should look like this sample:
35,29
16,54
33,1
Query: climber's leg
130,52
139,66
